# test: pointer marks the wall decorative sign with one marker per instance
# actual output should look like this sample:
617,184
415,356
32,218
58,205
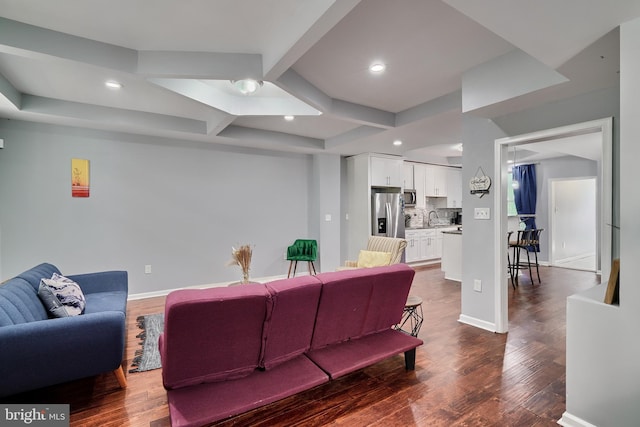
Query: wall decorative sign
480,183
79,178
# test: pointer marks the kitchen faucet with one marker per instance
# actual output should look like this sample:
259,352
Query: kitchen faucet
429,217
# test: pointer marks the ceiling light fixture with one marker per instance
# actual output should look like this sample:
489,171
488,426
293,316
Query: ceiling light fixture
397,142
514,183
247,86
289,118
112,84
377,67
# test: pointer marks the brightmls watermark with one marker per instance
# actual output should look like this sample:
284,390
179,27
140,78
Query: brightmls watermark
34,415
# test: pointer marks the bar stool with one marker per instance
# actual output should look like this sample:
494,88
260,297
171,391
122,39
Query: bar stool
413,315
529,241
510,268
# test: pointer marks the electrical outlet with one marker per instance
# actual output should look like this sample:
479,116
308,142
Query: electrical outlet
477,285
482,213
147,269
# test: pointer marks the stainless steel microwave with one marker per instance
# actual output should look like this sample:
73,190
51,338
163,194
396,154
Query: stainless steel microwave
409,198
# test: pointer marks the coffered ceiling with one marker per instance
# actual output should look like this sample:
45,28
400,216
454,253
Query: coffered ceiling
175,60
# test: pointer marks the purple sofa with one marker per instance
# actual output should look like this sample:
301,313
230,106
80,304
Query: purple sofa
228,350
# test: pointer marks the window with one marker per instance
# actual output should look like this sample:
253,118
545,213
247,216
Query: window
511,199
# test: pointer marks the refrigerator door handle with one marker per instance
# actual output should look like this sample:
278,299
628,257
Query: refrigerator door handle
389,218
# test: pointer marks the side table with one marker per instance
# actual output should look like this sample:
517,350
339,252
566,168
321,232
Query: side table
412,315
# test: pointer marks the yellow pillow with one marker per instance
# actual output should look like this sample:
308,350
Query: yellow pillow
373,258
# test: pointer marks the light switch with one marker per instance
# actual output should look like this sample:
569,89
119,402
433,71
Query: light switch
327,217
482,213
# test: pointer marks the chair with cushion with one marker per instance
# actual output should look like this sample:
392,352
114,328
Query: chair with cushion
527,241
380,251
302,250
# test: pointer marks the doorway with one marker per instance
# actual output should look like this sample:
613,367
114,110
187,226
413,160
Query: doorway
572,220
603,128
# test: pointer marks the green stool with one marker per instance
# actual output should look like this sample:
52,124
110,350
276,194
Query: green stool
302,250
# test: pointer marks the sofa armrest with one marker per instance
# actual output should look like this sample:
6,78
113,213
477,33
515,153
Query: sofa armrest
46,352
104,281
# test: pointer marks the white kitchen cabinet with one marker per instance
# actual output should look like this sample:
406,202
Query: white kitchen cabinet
407,168
412,251
429,245
386,172
454,188
435,181
422,245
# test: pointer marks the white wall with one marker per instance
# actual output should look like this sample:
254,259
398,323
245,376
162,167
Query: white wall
176,205
478,308
327,206
573,207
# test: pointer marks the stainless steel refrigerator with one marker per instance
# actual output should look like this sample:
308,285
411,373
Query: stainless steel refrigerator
387,212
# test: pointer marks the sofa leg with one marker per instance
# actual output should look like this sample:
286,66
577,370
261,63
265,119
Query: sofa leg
410,359
120,376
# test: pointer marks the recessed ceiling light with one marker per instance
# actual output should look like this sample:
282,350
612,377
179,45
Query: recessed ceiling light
397,142
112,84
377,67
289,118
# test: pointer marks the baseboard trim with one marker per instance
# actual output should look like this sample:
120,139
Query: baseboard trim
569,420
166,292
478,323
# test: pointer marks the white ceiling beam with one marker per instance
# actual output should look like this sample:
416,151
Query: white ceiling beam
10,93
444,104
297,86
363,115
272,139
352,135
111,116
30,41
200,65
277,62
506,77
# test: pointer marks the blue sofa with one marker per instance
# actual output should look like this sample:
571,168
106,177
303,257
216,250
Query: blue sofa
38,351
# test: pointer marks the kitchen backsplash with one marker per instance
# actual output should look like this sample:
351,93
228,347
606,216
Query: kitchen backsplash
419,217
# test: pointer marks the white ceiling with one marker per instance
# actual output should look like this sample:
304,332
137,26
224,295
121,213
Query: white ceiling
55,57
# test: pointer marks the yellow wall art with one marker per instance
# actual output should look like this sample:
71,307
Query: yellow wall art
79,178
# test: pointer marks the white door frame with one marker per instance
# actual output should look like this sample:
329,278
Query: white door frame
500,203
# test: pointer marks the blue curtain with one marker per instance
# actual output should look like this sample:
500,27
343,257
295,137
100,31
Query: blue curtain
525,194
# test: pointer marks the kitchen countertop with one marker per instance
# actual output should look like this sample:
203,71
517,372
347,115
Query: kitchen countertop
452,232
433,227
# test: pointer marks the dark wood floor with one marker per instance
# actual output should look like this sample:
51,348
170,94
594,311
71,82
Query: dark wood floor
464,376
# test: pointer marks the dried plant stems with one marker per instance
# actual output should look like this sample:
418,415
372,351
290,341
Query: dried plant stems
242,257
